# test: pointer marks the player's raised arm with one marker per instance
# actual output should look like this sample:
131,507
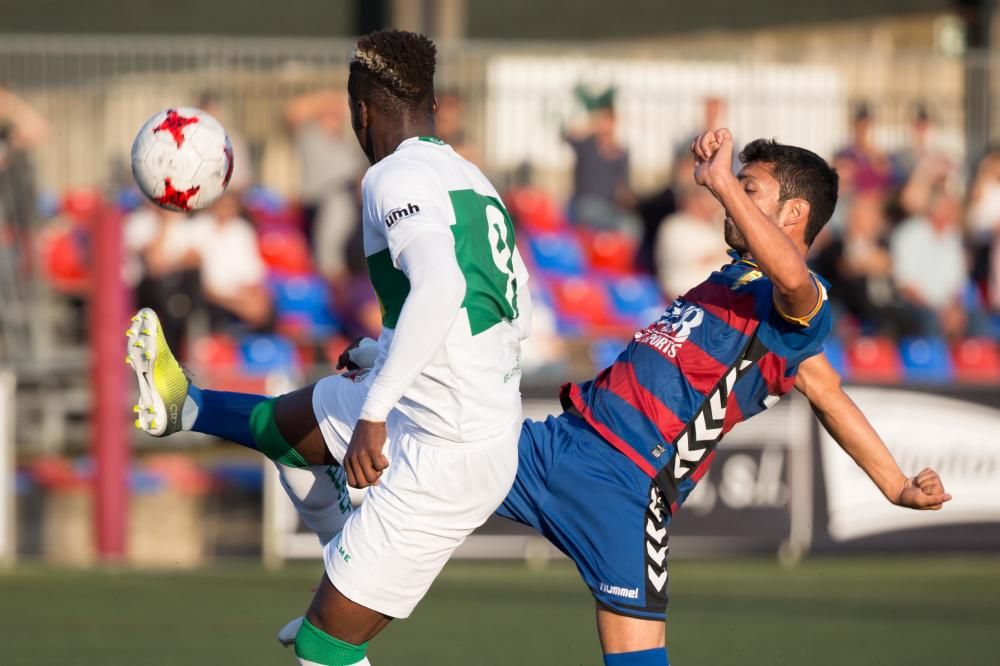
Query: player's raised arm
776,239
838,414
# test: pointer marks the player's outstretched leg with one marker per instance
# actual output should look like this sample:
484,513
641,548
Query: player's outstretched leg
284,428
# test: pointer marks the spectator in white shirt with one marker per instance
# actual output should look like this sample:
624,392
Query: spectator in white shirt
690,242
930,265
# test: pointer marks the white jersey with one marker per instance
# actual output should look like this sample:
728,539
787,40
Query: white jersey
471,388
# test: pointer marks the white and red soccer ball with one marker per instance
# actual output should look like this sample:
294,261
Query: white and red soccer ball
182,159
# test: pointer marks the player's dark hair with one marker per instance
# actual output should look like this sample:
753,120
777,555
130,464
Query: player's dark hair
393,70
801,174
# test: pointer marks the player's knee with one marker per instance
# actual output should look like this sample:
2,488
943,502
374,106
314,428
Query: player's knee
269,439
654,657
313,646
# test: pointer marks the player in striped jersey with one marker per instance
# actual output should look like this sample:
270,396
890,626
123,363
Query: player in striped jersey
603,479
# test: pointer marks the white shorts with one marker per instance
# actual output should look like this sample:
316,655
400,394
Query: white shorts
433,494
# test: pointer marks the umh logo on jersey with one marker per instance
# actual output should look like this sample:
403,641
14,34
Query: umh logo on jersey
669,334
397,214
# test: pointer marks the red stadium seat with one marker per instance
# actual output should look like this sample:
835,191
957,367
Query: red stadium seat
875,360
214,352
533,210
976,360
582,300
609,251
284,251
62,259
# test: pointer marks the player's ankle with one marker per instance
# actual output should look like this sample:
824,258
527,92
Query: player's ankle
315,646
192,407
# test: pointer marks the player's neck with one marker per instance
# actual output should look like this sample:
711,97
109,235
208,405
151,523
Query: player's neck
385,143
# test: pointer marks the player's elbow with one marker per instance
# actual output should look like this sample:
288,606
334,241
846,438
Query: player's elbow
794,282
447,283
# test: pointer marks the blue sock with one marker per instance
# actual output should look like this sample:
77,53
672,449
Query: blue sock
225,414
654,657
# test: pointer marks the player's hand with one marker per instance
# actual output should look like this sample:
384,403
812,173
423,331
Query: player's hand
359,355
364,460
923,491
344,361
713,159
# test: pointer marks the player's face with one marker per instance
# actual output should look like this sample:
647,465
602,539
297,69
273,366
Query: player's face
763,189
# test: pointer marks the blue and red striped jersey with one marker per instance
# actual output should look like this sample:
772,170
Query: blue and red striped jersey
718,355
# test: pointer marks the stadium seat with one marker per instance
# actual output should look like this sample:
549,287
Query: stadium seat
994,325
926,360
834,352
558,254
284,251
302,304
603,352
82,205
976,360
263,354
533,210
609,251
214,352
63,259
635,299
581,300
874,360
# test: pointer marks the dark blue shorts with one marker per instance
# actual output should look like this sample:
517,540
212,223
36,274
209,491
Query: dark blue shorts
597,507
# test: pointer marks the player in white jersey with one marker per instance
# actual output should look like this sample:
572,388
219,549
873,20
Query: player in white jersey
433,428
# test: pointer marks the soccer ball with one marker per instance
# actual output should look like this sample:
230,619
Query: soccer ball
182,159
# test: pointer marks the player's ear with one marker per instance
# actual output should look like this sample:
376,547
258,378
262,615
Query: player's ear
796,212
434,105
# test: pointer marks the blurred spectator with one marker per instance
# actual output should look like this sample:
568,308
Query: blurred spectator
713,117
331,163
983,217
164,267
601,197
233,275
690,243
870,167
449,124
921,167
22,129
929,265
657,207
984,198
858,265
243,175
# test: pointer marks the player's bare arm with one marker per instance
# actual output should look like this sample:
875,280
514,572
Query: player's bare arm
838,414
778,251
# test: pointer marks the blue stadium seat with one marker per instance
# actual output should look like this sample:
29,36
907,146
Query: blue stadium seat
636,298
834,351
926,360
603,352
305,298
557,253
263,354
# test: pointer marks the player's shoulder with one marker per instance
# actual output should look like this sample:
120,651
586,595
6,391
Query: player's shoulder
401,169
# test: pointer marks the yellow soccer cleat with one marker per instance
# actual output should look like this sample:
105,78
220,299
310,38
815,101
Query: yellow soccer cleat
163,386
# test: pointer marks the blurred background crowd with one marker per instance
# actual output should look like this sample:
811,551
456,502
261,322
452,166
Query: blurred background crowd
267,279
585,130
